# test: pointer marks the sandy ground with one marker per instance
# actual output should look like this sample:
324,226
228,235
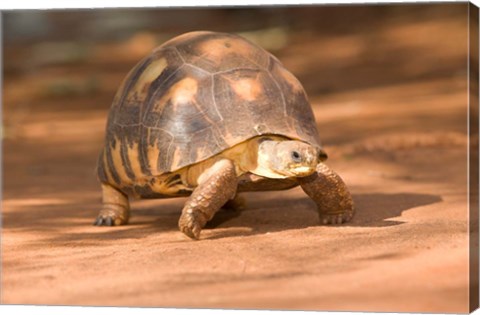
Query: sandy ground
395,130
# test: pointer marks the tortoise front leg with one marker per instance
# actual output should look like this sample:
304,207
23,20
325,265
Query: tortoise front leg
327,189
116,209
216,186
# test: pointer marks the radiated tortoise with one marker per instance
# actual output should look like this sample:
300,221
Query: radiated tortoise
209,115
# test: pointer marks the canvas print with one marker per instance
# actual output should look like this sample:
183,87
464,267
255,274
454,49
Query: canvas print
316,157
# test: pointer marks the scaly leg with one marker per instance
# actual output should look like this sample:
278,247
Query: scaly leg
116,209
327,189
216,186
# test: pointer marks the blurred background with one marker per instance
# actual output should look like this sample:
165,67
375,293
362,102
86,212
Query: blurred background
63,67
388,86
80,52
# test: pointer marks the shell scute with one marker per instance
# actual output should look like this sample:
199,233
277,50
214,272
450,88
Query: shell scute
296,103
250,94
156,146
217,52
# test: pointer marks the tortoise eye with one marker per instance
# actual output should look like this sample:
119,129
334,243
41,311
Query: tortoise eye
296,157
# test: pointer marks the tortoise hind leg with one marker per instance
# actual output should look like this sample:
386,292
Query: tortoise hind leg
116,208
327,189
216,186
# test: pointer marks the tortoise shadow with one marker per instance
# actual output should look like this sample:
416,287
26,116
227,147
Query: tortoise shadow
377,210
372,210
262,215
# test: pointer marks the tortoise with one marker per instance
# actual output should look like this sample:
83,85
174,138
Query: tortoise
210,115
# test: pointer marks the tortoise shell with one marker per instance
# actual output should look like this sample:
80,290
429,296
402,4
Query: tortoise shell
195,96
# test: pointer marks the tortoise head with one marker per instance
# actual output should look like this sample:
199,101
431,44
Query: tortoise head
290,158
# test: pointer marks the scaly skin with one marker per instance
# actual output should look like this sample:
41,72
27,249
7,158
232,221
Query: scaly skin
116,209
327,189
218,185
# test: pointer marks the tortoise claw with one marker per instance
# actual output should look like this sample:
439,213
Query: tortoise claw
107,217
115,210
191,224
334,219
102,221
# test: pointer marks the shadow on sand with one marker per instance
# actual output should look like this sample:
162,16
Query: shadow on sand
261,216
372,210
